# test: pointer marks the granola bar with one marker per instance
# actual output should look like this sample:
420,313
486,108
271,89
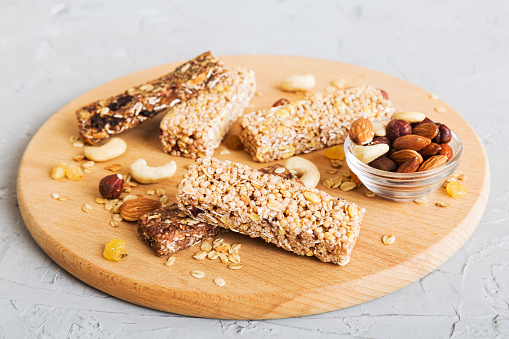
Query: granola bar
310,124
281,171
196,127
282,212
100,119
168,230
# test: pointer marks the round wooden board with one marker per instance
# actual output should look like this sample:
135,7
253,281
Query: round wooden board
272,283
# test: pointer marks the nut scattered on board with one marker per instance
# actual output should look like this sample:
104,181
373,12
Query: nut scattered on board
388,239
112,149
307,171
110,187
132,210
145,174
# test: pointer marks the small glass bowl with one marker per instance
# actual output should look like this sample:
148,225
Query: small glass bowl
403,186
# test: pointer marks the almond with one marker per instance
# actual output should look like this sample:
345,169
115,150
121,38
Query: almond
409,166
427,130
432,163
412,142
400,157
446,150
430,150
384,164
362,131
132,210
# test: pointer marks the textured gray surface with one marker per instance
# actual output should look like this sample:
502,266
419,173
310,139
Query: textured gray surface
53,51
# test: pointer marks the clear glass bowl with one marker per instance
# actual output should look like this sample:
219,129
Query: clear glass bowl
403,186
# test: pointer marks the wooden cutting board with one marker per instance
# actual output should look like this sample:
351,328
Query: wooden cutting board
272,283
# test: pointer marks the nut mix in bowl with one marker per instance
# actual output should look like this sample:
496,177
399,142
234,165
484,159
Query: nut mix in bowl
408,159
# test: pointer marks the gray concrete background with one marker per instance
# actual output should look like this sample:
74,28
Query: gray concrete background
53,51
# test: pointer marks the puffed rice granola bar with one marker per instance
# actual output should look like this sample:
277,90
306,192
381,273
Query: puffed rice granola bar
310,124
100,119
283,212
196,127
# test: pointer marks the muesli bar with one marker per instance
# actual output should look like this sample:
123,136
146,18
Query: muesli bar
100,119
310,124
282,212
196,127
168,230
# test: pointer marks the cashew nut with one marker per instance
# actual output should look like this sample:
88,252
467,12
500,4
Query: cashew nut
145,174
112,149
305,170
294,83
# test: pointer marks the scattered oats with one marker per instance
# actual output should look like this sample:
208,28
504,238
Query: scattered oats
55,195
440,109
78,144
336,163
129,197
86,208
369,194
339,83
88,164
331,171
388,239
258,93
219,282
114,223
198,274
114,167
279,170
336,181
170,261
225,151
127,189
218,241
88,170
212,255
235,266
100,200
327,183
442,204
206,246
78,158
132,183
109,205
62,198
200,255
117,217
462,177
433,97
223,257
222,247
160,192
128,178
234,257
151,192
421,200
236,247
164,199
74,138
347,186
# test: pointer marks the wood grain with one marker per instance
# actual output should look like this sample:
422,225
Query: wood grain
273,283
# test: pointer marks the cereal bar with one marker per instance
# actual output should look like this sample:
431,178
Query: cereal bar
196,127
310,124
283,212
167,230
100,119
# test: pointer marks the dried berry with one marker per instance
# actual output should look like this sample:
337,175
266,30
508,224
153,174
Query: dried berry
397,128
455,189
115,250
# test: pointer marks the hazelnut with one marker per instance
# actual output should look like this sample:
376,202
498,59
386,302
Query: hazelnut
110,187
380,140
281,102
430,150
383,163
398,128
444,134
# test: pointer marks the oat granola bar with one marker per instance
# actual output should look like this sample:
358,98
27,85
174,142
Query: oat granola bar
196,127
100,119
283,212
310,124
168,230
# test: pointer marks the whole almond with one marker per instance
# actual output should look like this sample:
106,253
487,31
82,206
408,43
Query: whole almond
383,163
446,150
427,130
362,131
400,157
409,166
132,210
432,163
430,150
412,141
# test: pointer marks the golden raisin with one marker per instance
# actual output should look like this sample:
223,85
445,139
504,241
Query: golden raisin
58,171
74,172
455,189
115,250
335,152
